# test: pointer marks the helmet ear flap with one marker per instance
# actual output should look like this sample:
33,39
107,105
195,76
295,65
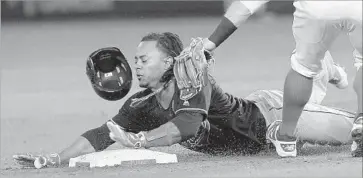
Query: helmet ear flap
90,70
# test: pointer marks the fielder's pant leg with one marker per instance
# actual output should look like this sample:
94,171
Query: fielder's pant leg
313,38
324,125
266,101
355,36
317,24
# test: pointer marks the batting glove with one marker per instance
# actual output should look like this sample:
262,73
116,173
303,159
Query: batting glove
127,139
40,161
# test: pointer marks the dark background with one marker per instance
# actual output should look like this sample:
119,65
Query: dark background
35,10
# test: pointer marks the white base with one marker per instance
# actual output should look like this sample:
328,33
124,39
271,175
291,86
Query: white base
122,156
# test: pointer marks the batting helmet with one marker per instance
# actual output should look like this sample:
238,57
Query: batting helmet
110,73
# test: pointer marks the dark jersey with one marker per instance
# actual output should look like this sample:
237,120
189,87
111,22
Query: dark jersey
225,113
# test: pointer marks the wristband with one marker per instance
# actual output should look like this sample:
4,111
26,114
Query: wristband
222,32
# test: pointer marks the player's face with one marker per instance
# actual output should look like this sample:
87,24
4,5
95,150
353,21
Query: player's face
150,64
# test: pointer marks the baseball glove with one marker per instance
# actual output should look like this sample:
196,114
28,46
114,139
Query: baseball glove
191,67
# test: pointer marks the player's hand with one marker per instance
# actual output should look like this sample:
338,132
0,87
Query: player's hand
208,45
40,161
126,139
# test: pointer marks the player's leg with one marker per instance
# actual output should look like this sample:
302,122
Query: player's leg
355,36
356,40
313,38
324,125
331,73
318,124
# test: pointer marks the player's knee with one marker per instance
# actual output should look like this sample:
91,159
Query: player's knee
302,66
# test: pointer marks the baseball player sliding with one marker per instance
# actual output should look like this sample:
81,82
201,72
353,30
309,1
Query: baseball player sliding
315,27
182,104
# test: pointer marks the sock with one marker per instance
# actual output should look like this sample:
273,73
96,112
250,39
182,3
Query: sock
297,91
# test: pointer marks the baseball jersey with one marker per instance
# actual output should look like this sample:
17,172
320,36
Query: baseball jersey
221,109
240,11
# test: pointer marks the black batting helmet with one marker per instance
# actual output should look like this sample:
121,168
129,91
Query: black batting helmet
110,73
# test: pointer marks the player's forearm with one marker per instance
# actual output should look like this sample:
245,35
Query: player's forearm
165,135
80,147
182,127
96,139
237,13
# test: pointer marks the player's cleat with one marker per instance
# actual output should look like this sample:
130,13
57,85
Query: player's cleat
357,136
283,148
340,78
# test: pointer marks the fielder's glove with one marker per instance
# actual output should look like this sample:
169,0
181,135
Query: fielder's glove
127,139
40,161
191,67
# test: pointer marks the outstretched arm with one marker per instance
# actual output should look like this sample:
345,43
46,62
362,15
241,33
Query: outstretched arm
93,140
237,13
96,139
80,146
181,128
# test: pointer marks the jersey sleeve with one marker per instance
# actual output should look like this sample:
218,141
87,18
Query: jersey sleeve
187,124
130,113
253,6
198,104
99,137
224,103
237,13
123,118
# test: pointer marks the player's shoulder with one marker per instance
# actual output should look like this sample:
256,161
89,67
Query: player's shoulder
138,98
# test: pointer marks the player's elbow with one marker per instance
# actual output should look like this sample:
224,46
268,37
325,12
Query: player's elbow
98,138
188,124
189,133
